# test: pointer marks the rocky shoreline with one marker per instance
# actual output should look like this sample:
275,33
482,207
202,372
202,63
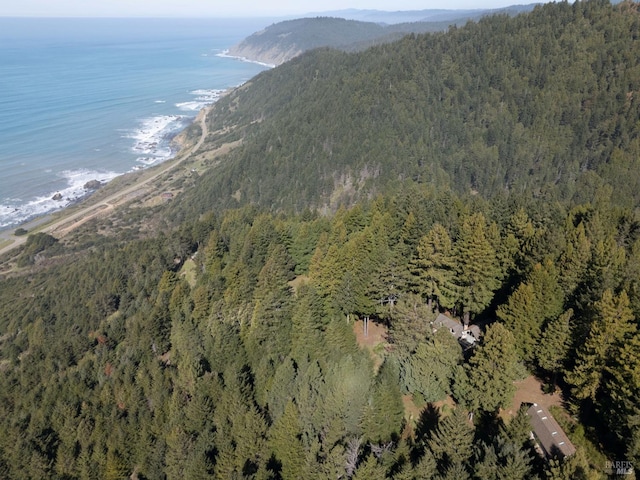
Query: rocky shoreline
90,187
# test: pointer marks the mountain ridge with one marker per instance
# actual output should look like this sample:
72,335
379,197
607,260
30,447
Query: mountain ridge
500,106
351,30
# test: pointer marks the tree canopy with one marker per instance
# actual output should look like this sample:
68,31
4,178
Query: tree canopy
469,173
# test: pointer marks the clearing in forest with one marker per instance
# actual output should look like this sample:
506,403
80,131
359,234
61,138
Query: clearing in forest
375,341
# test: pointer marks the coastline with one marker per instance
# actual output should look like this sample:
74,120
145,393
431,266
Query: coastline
120,190
225,54
174,143
98,124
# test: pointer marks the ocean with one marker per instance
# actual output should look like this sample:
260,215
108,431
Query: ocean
90,99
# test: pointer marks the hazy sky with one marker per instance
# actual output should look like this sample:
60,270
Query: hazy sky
217,8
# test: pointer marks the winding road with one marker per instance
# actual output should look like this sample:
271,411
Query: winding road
68,222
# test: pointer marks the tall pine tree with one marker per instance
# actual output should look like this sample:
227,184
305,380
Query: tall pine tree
612,326
492,370
432,267
477,269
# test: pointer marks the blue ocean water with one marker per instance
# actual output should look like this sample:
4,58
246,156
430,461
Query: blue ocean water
85,99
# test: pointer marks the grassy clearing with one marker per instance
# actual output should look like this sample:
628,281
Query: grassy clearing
375,342
189,272
297,282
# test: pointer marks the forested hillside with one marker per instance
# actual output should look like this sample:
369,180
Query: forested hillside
283,41
489,173
542,104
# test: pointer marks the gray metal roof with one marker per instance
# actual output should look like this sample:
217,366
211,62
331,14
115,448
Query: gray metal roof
548,433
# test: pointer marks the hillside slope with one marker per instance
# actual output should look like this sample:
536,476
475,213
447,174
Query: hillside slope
185,340
431,15
285,40
542,104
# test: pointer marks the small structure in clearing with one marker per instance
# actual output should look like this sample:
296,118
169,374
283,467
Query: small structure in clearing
547,434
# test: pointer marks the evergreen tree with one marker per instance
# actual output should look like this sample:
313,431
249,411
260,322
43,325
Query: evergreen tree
508,455
179,446
456,471
240,427
521,236
575,257
492,370
633,440
305,236
451,442
388,285
187,352
362,256
410,234
432,267
348,382
477,267
521,316
486,465
517,430
410,325
116,467
554,344
211,257
430,369
327,271
426,468
269,333
384,412
605,267
281,389
622,393
370,469
543,278
516,466
308,324
631,277
533,303
284,442
310,393
612,325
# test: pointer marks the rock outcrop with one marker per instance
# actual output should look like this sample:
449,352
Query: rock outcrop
92,185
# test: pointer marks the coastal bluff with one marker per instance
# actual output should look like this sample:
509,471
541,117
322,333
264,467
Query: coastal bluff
272,56
283,41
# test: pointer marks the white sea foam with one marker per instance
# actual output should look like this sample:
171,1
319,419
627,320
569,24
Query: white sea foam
14,210
153,137
225,54
160,101
203,97
189,106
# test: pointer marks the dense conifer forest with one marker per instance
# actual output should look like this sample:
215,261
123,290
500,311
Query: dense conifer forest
544,104
490,172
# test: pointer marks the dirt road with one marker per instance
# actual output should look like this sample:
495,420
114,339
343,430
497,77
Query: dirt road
67,223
